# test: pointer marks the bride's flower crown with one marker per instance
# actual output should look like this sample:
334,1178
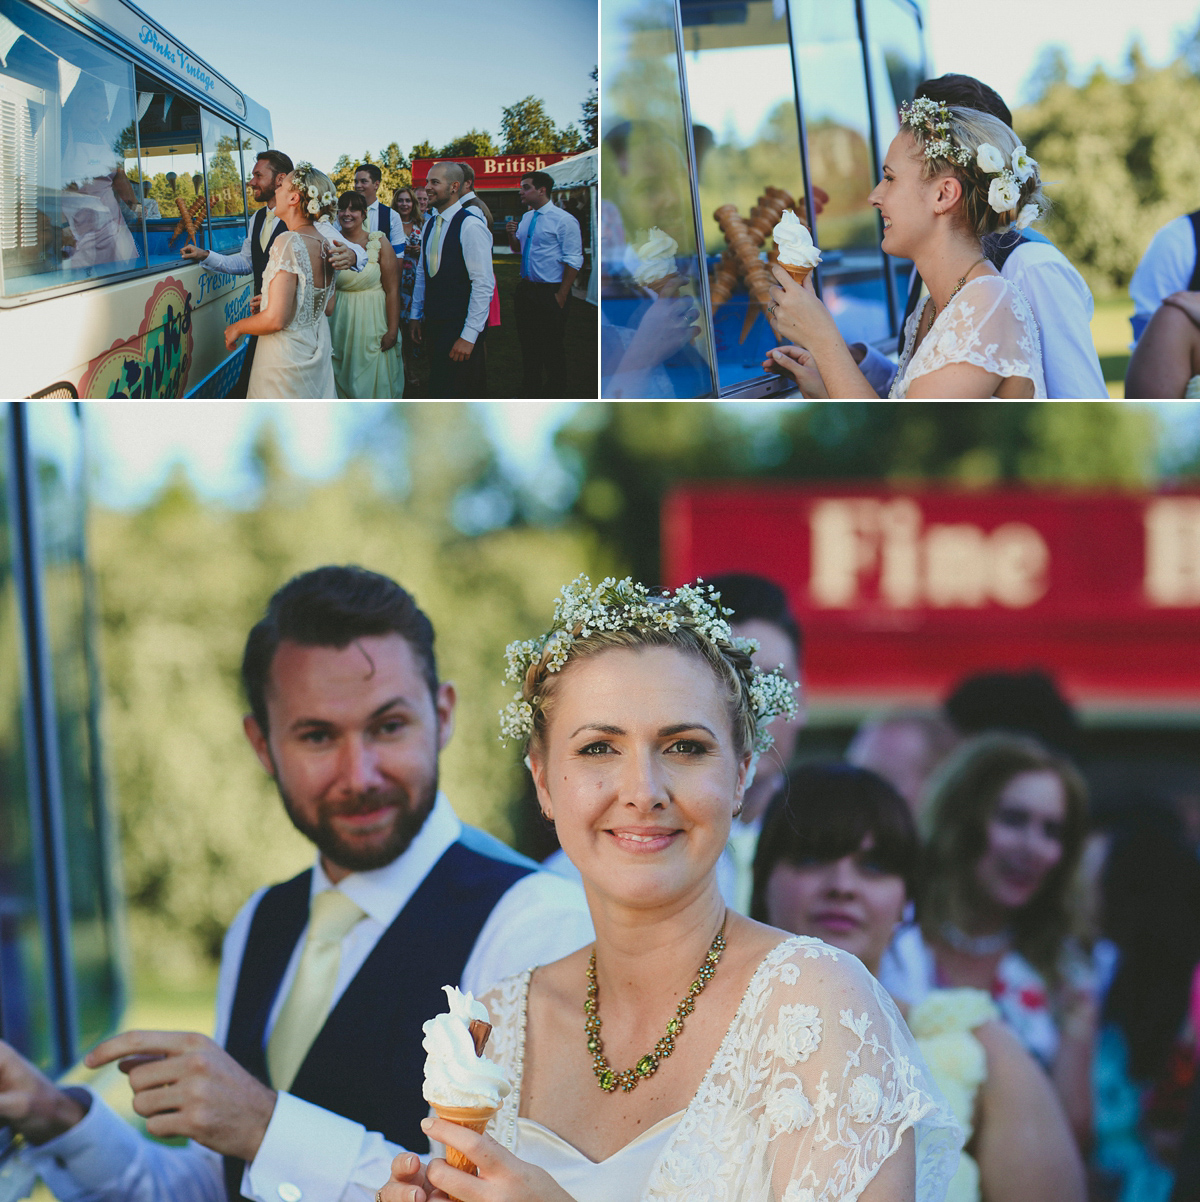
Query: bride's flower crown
316,200
932,118
582,610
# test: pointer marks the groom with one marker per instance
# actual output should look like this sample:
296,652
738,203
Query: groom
269,170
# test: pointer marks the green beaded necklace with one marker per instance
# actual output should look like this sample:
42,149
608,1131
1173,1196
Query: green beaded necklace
606,1077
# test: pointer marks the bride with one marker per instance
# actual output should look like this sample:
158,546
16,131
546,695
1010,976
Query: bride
293,358
951,176
763,1066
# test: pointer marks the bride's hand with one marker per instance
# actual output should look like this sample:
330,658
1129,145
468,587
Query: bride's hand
799,315
798,363
407,1182
502,1176
231,336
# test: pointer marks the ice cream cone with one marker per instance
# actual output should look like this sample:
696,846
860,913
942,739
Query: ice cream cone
799,274
474,1118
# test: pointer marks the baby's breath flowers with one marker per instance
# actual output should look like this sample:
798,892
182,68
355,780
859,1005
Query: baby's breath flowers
583,609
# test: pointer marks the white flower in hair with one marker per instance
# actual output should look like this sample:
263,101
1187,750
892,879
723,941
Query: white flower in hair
1023,166
989,159
313,207
1029,214
312,191
1004,193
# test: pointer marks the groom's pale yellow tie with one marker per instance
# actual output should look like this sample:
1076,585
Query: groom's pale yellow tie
268,225
435,245
332,917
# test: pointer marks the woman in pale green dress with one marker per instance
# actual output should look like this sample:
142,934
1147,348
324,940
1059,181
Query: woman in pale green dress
366,319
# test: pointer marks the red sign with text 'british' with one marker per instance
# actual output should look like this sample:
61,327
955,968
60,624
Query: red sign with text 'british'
496,171
902,593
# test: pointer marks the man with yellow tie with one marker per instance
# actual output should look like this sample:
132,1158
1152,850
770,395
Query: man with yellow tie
313,1082
453,289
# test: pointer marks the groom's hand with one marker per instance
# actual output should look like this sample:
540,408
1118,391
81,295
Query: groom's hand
194,1089
31,1103
341,257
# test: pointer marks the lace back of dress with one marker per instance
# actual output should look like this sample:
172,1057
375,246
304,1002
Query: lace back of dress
310,300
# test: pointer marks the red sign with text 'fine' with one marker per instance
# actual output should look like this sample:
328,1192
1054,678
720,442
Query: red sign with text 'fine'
499,171
903,593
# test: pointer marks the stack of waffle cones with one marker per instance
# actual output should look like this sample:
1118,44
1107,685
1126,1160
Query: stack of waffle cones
474,1118
744,246
745,238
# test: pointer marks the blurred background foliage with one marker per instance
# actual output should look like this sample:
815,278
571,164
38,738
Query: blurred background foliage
1119,154
428,498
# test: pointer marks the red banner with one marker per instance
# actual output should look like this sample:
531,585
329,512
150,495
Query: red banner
903,593
499,171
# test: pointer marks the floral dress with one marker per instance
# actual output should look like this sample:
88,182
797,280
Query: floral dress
988,324
812,1088
408,270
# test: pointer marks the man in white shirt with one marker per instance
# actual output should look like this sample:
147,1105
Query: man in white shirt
313,1083
1171,264
269,169
551,249
1061,301
453,290
367,177
760,612
470,197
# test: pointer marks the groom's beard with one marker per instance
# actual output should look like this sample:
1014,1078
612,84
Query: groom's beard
363,853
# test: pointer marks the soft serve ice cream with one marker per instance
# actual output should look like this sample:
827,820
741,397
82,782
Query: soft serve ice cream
461,1084
655,259
797,254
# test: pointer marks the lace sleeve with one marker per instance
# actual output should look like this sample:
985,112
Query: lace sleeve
505,1004
816,1086
989,324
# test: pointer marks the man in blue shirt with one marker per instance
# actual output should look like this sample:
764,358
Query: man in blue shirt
551,249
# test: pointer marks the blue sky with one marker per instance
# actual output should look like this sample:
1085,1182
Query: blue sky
999,41
354,76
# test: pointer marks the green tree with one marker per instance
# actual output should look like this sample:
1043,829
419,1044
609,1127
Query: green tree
568,141
591,114
474,144
1052,67
526,128
424,150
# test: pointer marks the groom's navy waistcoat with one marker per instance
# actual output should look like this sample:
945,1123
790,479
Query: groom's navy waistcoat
448,293
367,1063
258,256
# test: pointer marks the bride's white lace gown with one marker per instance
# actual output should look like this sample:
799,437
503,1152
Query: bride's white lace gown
296,361
988,324
812,1088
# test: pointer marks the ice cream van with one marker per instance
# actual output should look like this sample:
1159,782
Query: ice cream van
118,146
708,104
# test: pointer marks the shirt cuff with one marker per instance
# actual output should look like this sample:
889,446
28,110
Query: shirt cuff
469,335
307,1153
90,1156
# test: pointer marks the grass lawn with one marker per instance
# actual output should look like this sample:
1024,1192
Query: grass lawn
504,350
1112,334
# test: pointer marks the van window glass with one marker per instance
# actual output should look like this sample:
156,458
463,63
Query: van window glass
223,172
68,210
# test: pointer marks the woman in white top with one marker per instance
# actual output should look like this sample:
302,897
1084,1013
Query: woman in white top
951,176
764,1067
294,355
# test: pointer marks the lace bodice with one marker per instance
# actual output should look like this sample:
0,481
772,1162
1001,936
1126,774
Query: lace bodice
812,1088
988,324
289,254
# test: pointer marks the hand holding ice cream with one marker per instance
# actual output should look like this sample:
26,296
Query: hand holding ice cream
797,254
656,260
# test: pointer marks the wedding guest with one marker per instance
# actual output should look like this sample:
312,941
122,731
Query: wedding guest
367,178
293,358
1170,265
365,324
469,197
271,167
641,720
348,717
404,202
551,249
422,195
905,747
1061,301
838,860
1004,827
1166,361
952,176
453,290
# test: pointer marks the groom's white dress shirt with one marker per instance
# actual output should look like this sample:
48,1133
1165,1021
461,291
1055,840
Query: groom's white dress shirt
1062,307
310,1154
396,237
476,241
240,264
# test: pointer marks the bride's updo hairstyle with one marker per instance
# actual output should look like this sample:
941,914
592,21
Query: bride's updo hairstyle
318,198
620,613
1001,184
